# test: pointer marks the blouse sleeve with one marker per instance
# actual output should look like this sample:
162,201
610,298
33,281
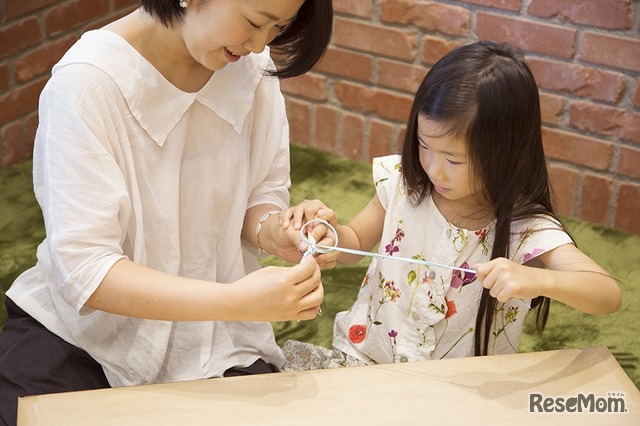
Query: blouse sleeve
532,237
78,184
270,162
386,177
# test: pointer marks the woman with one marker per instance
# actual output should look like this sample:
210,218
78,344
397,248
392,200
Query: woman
160,160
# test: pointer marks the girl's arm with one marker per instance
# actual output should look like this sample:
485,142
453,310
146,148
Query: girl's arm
569,276
269,294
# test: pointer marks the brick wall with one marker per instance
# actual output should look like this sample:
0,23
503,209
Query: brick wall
34,34
585,55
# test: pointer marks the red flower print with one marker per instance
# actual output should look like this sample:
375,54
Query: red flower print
357,333
451,308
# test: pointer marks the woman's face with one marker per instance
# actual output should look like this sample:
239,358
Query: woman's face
217,32
445,161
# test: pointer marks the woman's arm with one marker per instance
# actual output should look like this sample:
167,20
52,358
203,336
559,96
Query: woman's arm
269,294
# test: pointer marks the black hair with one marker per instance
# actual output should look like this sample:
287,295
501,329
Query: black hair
295,51
485,94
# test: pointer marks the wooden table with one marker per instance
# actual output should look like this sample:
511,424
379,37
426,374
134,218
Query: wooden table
481,390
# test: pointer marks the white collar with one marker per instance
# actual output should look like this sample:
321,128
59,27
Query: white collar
157,104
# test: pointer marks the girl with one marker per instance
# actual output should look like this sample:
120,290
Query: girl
470,191
162,146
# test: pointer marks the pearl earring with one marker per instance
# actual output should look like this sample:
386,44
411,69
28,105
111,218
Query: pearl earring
184,3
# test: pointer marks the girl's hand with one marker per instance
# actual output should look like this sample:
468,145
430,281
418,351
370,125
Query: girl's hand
293,218
307,210
283,293
506,279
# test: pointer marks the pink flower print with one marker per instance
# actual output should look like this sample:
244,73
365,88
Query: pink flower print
535,253
482,233
462,278
393,334
391,248
357,333
451,308
399,234
429,276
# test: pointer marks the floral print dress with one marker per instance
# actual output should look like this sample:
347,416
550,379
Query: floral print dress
410,312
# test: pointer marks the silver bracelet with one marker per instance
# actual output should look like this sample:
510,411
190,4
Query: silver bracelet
259,227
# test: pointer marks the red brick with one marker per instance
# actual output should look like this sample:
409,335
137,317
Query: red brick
577,149
612,14
564,181
15,8
299,114
344,63
392,42
636,94
400,75
30,127
596,195
120,4
103,20
72,13
551,108
434,48
391,105
40,60
310,86
13,143
380,139
578,80
21,100
628,207
605,120
18,36
4,77
431,16
386,104
326,128
361,8
609,49
629,162
352,136
535,36
513,5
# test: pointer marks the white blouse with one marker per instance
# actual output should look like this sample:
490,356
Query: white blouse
128,166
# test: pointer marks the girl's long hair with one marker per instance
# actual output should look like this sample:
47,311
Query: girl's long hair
485,94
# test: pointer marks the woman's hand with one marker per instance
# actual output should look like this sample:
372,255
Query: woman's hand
283,293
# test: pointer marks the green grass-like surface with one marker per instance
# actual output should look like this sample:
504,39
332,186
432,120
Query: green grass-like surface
346,186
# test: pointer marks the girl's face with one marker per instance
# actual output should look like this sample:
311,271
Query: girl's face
217,32
444,160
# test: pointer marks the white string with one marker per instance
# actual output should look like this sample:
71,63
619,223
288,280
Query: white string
313,247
